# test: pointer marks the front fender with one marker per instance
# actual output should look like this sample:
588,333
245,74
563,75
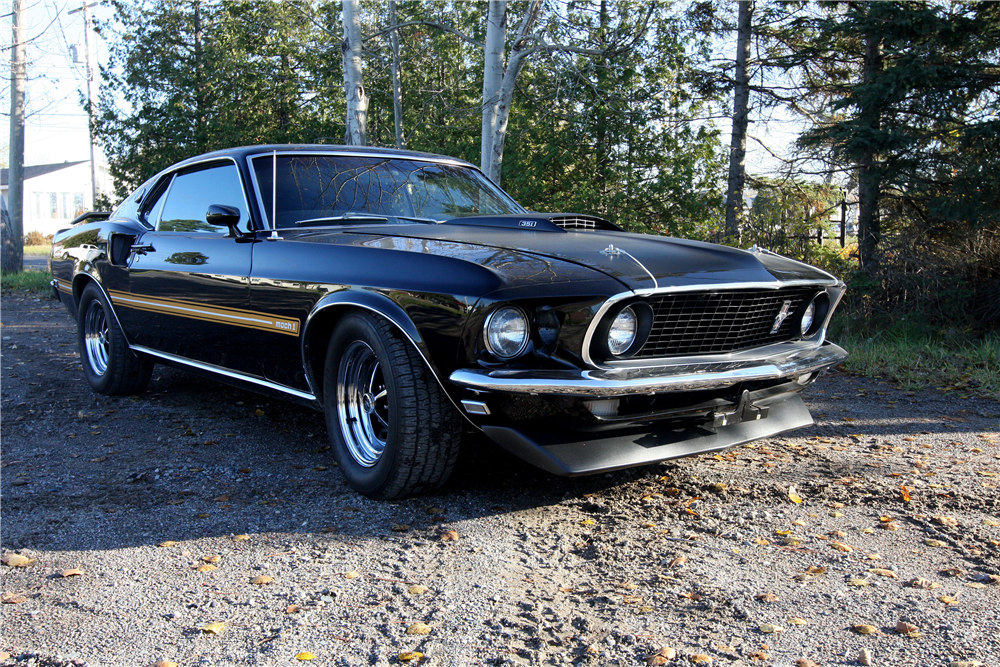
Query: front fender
327,312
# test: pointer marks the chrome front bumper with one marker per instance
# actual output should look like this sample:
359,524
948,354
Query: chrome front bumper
650,380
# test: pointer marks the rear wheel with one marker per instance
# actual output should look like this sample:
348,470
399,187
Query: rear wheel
393,431
108,364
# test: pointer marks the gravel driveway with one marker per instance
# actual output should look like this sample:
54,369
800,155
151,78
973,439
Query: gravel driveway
151,518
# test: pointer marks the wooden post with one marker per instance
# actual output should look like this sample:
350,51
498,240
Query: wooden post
843,223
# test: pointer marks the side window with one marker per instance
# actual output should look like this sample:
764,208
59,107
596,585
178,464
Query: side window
192,192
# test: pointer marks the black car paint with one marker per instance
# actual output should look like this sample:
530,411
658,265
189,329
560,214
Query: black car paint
189,296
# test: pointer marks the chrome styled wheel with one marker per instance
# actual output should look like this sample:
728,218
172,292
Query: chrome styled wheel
362,403
95,332
393,431
111,368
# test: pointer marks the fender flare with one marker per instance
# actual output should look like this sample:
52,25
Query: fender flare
373,302
81,279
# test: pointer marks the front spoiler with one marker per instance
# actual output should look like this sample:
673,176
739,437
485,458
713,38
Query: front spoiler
566,453
657,380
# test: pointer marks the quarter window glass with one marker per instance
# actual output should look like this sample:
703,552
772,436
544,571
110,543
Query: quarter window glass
193,192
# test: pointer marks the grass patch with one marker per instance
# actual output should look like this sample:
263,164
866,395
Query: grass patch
918,361
43,250
30,282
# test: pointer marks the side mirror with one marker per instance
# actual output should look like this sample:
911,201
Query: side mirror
220,215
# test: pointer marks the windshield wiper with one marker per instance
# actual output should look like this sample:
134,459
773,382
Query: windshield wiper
360,217
416,219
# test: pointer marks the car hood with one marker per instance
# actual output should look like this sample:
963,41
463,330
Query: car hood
638,261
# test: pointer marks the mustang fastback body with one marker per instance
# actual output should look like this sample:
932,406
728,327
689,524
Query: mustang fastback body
407,297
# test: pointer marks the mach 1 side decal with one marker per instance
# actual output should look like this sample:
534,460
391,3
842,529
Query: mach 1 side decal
240,318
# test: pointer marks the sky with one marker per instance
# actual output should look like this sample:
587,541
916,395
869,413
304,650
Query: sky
56,123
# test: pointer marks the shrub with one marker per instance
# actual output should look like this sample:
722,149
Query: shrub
35,237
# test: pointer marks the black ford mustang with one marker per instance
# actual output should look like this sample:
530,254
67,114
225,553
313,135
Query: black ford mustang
403,294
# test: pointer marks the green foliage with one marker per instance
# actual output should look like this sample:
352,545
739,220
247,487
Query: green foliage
918,359
28,282
35,237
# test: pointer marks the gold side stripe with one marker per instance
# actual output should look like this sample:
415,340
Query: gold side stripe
241,318
63,286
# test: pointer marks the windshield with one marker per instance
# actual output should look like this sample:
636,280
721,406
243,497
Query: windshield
345,189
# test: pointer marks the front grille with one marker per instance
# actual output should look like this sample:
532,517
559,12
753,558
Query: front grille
582,223
689,323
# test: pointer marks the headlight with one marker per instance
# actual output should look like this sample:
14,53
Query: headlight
621,335
507,332
808,317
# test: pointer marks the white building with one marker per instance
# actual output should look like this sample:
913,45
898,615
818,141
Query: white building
54,194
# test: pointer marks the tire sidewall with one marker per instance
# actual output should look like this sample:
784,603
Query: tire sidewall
366,480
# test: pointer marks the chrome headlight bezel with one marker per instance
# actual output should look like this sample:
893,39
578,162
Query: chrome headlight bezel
602,346
492,333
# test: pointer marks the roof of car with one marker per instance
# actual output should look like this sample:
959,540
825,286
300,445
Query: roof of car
241,152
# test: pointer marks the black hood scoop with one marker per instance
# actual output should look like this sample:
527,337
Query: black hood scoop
540,222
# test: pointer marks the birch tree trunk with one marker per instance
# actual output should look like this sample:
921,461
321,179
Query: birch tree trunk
741,110
356,126
397,88
498,104
493,74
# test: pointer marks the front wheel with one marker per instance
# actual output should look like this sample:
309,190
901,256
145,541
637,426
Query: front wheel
392,429
109,365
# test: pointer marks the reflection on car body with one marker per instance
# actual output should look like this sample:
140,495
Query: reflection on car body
406,296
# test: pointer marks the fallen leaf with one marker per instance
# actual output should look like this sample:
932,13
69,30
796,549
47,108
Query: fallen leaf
214,628
991,522
920,582
770,628
840,546
214,558
945,521
795,620
165,663
305,655
904,628
806,662
836,515
865,657
418,629
449,536
905,493
261,580
410,656
588,522
224,498
203,515
353,574
793,496
936,543
400,527
952,572
13,598
700,659
883,573
72,572
678,562
17,560
293,609
241,538
816,569
767,597
434,510
206,568
167,543
863,629
760,655
417,590
948,599
860,583
258,413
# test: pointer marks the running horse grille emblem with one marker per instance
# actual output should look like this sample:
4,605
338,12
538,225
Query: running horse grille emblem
783,314
611,251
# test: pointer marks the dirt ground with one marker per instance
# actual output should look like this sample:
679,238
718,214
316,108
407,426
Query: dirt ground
872,537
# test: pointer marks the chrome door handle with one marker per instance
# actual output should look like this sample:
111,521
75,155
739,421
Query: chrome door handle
142,249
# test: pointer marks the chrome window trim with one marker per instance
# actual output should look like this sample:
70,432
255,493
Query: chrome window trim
412,158
176,172
218,370
660,361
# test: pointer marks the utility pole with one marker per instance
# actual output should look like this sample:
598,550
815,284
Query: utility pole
90,98
12,257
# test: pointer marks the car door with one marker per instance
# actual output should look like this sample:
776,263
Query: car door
188,283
